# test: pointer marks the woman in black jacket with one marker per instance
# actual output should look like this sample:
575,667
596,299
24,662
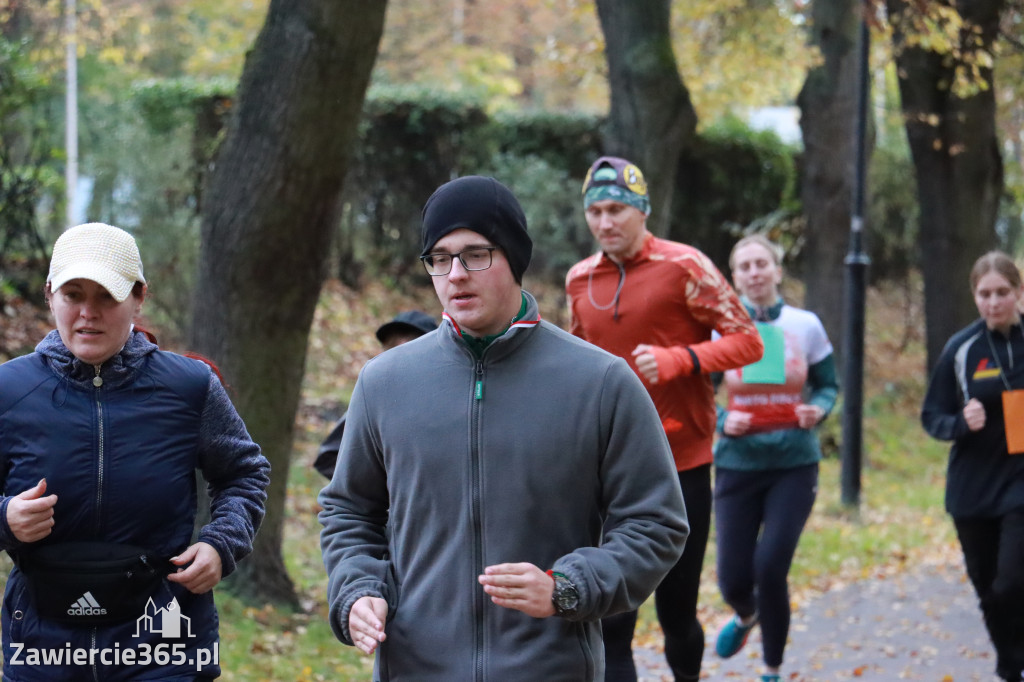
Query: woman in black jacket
969,402
101,434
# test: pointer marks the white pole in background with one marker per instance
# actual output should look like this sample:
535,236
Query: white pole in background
71,110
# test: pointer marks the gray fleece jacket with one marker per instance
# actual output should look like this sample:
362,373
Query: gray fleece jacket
546,450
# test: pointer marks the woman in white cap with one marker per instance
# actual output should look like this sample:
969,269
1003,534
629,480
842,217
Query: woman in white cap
100,436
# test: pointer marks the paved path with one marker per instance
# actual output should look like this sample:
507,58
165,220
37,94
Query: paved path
922,624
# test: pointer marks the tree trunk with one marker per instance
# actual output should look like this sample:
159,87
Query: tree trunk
828,110
16,21
955,151
652,119
270,205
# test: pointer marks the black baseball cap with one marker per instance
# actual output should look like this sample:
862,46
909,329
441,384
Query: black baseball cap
407,322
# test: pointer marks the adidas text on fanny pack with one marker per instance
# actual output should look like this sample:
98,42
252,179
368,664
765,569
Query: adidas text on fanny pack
86,605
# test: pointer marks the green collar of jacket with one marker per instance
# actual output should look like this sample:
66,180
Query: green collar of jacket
479,344
763,313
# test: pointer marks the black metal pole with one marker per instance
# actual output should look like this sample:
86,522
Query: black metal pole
854,304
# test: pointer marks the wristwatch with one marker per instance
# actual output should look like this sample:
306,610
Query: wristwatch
565,598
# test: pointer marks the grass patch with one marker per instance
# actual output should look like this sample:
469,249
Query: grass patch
275,645
265,644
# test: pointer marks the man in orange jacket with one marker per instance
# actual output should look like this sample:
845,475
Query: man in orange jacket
656,303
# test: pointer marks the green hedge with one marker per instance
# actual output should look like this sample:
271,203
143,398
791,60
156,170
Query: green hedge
413,139
733,178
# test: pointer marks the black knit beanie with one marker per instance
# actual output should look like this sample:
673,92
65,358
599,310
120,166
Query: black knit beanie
485,206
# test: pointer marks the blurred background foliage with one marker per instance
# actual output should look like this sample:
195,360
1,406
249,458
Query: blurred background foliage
461,86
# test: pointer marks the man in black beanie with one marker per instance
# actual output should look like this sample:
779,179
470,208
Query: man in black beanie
501,485
484,206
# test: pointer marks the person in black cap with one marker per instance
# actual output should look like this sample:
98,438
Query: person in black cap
406,326
502,485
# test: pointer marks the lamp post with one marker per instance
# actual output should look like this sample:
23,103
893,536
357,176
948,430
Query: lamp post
71,110
854,301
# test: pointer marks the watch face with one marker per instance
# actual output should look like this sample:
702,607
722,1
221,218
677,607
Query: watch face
566,598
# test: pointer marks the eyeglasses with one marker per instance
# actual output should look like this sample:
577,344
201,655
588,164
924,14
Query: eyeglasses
472,259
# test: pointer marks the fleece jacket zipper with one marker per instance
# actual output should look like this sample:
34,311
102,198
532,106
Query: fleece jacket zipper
475,454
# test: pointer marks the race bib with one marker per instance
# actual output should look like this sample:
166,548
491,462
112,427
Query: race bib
771,368
1013,418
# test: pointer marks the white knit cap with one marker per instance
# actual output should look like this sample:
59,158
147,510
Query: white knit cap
102,253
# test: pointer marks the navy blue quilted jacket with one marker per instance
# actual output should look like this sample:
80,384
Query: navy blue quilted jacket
121,458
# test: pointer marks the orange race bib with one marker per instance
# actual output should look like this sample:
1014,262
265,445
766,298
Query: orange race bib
1013,418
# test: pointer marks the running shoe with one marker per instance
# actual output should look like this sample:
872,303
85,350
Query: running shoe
732,637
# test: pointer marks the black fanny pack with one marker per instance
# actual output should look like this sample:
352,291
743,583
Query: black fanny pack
90,583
